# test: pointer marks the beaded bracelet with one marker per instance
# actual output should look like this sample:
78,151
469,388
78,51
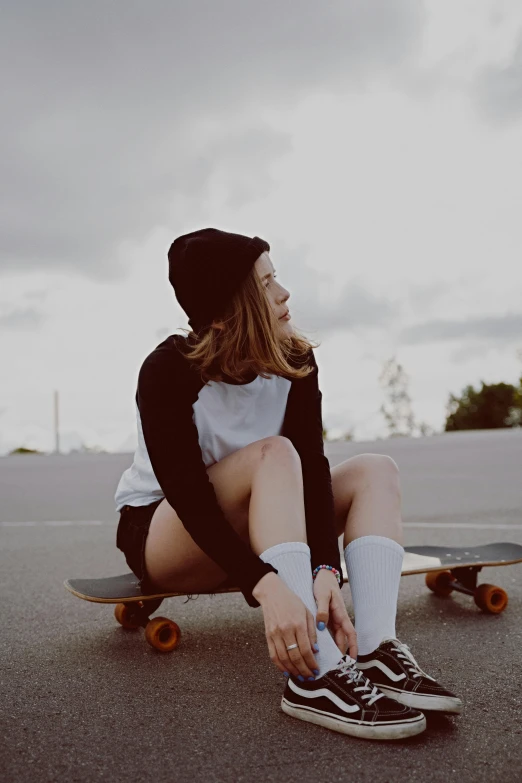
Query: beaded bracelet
329,568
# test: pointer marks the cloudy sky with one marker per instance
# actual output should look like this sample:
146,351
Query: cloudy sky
374,144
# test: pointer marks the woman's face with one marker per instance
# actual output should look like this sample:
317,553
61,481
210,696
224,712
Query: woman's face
277,295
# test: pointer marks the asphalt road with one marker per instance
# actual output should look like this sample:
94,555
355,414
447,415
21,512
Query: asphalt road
84,700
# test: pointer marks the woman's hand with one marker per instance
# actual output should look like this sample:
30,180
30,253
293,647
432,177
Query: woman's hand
287,621
331,610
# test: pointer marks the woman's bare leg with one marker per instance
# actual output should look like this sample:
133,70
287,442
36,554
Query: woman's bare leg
277,511
260,490
367,496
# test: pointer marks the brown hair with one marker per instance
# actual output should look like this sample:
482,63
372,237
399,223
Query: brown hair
247,337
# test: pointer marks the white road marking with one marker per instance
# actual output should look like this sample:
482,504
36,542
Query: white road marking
426,525
463,525
58,523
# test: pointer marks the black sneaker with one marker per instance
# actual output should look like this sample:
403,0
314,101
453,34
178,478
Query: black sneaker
345,701
396,673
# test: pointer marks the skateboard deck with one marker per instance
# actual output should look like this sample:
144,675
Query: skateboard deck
447,569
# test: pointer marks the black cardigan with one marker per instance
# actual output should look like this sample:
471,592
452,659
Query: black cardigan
168,387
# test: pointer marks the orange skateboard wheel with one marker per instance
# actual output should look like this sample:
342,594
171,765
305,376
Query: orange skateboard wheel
122,614
491,599
440,582
162,634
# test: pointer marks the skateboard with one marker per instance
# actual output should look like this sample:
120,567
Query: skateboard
447,569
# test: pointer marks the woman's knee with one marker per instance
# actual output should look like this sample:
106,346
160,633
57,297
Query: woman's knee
369,469
233,477
278,447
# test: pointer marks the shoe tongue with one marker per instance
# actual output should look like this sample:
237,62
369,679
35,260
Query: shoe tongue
346,661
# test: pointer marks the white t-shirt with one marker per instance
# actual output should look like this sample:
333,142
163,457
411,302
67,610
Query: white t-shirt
227,416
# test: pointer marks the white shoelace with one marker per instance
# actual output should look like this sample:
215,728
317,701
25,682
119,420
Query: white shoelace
347,668
403,651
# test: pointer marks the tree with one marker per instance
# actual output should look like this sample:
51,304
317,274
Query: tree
24,450
399,414
497,405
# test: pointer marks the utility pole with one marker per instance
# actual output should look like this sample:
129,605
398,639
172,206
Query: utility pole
56,424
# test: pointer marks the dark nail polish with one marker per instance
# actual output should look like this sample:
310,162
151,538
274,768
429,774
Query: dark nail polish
311,679
321,626
315,671
286,674
316,647
300,677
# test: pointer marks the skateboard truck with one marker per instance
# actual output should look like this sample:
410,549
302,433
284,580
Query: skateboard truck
160,632
489,598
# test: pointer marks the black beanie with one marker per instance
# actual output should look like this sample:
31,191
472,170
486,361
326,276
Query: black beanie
207,267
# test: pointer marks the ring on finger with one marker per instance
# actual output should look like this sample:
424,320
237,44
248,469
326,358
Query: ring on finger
292,647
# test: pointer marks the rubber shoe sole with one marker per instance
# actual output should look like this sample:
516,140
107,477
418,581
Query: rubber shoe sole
361,729
422,701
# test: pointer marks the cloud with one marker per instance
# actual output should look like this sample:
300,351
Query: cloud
422,296
27,319
37,295
112,111
318,304
355,309
489,329
498,88
241,158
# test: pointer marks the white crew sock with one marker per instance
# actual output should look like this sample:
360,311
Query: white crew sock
292,560
374,571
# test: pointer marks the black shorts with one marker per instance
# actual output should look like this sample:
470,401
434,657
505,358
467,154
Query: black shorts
131,535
